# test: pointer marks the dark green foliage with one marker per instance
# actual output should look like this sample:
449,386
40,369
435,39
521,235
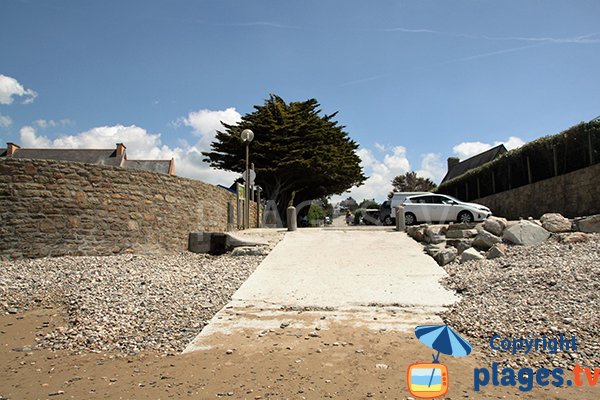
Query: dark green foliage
316,215
358,215
540,159
410,182
349,204
294,149
368,203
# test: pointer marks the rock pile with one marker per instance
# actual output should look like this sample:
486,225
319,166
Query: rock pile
126,303
546,290
465,242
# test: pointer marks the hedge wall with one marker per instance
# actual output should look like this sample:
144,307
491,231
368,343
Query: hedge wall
546,157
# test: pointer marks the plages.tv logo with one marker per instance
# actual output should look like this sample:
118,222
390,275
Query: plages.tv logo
430,380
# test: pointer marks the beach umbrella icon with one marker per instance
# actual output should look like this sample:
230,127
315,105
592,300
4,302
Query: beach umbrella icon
444,340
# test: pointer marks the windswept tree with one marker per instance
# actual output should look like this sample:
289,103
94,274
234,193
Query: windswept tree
295,149
410,182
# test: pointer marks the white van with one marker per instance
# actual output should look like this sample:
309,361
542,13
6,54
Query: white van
387,214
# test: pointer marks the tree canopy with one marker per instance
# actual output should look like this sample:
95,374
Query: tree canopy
410,182
294,150
349,204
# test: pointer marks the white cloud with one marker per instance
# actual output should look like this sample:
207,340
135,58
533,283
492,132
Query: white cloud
380,173
513,142
206,123
50,123
140,143
432,167
5,121
10,87
380,147
468,149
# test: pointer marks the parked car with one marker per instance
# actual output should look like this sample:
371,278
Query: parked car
370,216
441,208
386,213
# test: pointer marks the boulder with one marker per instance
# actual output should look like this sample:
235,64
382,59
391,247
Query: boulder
461,226
575,237
219,243
470,254
416,232
433,249
461,234
484,240
525,233
495,225
498,250
250,251
554,222
589,224
460,244
446,256
433,231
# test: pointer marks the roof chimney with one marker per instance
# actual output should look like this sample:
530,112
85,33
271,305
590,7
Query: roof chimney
120,149
452,162
11,148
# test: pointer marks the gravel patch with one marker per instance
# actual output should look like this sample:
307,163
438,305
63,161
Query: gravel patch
126,303
544,290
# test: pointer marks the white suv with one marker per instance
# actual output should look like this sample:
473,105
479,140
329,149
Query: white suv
441,208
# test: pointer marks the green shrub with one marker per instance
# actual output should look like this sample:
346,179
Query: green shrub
316,215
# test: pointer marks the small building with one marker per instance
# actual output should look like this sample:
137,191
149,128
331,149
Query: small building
457,168
116,157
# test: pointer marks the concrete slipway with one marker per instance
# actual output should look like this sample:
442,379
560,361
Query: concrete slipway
375,278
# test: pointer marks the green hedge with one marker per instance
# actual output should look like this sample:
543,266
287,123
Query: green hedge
540,159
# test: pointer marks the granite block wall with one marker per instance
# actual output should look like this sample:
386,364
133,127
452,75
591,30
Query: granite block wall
54,208
573,195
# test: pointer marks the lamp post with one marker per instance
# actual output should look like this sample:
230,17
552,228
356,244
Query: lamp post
247,135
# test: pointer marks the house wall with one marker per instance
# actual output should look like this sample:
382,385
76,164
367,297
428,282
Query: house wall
53,208
574,194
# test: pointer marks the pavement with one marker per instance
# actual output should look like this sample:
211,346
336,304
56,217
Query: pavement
314,279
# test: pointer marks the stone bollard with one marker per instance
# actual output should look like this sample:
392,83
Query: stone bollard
400,224
292,224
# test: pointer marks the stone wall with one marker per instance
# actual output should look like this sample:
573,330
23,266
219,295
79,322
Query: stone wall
53,208
574,194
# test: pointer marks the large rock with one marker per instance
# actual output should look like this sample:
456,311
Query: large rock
220,242
432,233
484,240
525,233
554,222
460,244
470,254
250,251
589,224
416,232
434,249
498,250
495,225
461,234
575,237
461,226
446,256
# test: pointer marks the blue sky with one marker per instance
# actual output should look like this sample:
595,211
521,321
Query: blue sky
413,81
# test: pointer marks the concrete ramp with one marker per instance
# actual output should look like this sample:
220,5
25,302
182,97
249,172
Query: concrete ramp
375,279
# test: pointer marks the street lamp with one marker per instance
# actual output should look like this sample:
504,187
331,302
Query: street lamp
247,135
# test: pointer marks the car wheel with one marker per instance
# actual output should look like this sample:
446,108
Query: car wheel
465,217
410,219
387,220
